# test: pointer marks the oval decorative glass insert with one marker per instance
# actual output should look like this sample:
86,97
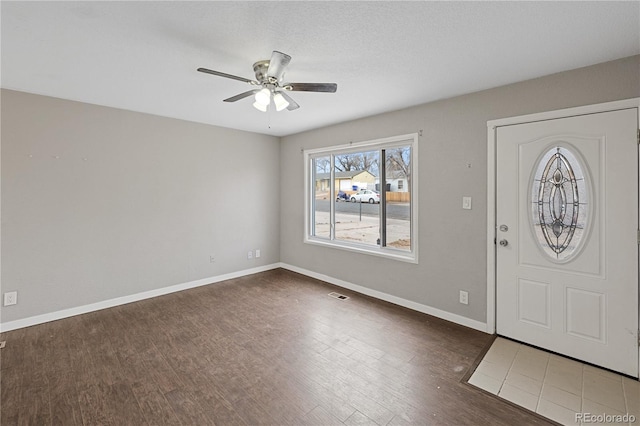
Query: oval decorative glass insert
559,198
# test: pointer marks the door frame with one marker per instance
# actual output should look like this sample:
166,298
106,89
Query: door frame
492,127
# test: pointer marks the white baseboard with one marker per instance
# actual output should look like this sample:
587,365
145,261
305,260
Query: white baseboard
425,309
65,313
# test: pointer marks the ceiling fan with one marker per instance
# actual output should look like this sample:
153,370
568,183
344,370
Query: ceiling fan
269,78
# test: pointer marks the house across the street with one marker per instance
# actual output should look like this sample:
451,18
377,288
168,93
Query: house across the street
353,180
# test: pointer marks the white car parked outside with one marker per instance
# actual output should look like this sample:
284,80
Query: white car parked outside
365,196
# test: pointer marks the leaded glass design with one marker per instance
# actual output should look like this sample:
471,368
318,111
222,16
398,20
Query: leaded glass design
559,198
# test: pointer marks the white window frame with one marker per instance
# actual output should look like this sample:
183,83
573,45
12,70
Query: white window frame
412,185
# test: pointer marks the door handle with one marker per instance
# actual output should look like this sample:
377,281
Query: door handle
504,243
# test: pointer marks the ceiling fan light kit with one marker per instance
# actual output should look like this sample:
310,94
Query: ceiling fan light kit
260,107
280,102
263,97
269,75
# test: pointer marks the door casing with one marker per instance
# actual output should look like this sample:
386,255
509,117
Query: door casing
491,183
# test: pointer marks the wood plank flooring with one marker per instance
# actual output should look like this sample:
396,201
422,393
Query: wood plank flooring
266,349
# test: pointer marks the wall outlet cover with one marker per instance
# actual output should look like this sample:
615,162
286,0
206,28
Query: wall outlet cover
10,298
466,203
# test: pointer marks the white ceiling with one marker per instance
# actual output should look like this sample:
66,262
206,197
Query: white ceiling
384,56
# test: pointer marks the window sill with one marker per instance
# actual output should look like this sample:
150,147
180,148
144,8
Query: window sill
409,257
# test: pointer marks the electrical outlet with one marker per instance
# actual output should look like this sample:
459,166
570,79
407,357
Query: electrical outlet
212,259
249,255
464,297
10,298
466,203
257,253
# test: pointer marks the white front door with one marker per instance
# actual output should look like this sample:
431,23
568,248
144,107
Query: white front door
567,248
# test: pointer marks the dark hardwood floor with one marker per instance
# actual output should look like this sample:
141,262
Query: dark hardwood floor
267,349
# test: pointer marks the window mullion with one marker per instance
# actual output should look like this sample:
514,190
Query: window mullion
312,192
383,198
332,198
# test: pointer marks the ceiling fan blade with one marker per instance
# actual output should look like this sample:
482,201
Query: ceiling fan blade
292,104
242,95
222,74
313,87
277,64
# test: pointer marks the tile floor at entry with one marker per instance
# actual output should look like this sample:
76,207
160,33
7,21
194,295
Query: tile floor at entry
557,387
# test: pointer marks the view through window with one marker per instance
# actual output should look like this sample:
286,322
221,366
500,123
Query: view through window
361,197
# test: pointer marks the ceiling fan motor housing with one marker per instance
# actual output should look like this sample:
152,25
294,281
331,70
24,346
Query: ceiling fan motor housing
261,68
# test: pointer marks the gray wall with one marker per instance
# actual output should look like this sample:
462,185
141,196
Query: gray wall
99,203
452,241
136,202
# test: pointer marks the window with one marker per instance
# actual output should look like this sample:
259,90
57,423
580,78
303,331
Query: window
362,197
